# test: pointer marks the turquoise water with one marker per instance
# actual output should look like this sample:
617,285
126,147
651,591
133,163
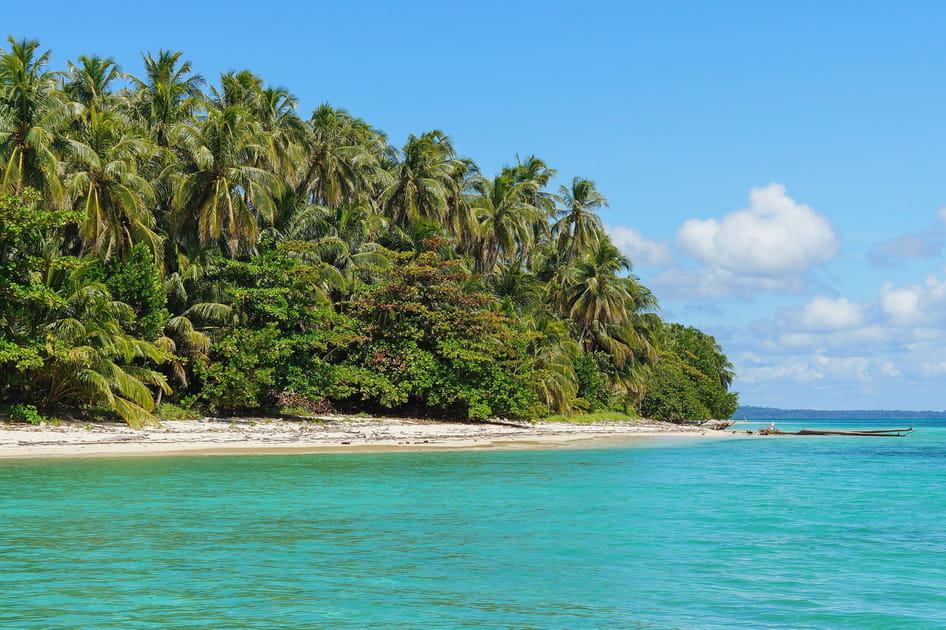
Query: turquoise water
757,533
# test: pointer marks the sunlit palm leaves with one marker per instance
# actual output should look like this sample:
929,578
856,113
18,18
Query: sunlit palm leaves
106,187
342,159
423,180
222,196
578,227
89,81
34,117
504,220
168,96
92,359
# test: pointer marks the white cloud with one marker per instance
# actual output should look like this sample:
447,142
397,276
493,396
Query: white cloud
798,371
769,246
823,314
642,251
857,368
885,253
847,353
773,237
900,305
889,369
819,367
712,282
915,304
941,213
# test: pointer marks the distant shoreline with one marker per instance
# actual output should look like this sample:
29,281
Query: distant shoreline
748,412
218,436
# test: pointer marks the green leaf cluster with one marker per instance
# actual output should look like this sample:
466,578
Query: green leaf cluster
691,379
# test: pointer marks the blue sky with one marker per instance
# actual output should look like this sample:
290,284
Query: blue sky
774,170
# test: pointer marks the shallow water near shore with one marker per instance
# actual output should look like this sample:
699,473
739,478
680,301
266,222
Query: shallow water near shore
813,532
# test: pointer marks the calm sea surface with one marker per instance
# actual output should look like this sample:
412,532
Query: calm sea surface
804,532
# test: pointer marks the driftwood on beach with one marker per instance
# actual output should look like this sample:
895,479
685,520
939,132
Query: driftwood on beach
859,432
717,425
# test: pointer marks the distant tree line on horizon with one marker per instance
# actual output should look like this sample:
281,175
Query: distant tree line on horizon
773,413
163,240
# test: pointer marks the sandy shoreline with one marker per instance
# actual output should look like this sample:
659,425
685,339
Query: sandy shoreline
217,436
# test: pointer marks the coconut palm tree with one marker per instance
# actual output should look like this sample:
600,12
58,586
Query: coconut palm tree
222,194
578,227
535,172
105,185
505,220
89,81
169,95
597,298
91,358
342,164
553,353
423,176
34,117
284,131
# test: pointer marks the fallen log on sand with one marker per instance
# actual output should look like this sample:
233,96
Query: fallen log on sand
717,425
859,432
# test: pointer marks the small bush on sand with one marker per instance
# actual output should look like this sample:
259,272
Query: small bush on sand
168,411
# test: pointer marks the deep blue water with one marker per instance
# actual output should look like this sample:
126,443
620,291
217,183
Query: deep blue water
804,532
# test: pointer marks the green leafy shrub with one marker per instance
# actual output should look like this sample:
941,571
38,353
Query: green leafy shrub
691,378
432,345
24,413
136,281
592,381
170,411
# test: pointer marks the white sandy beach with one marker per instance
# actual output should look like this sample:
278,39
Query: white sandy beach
267,435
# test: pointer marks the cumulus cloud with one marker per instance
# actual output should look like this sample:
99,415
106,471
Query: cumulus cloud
819,367
852,338
773,237
846,353
915,304
642,251
769,246
901,305
823,314
885,253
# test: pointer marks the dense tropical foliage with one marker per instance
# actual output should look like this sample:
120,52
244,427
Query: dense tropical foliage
166,239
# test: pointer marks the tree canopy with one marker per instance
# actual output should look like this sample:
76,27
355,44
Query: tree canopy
170,238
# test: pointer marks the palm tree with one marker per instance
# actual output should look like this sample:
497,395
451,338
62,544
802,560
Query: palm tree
342,163
613,314
169,96
284,131
106,187
89,81
423,179
273,110
34,117
505,220
92,359
578,227
535,172
222,195
553,353
597,298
